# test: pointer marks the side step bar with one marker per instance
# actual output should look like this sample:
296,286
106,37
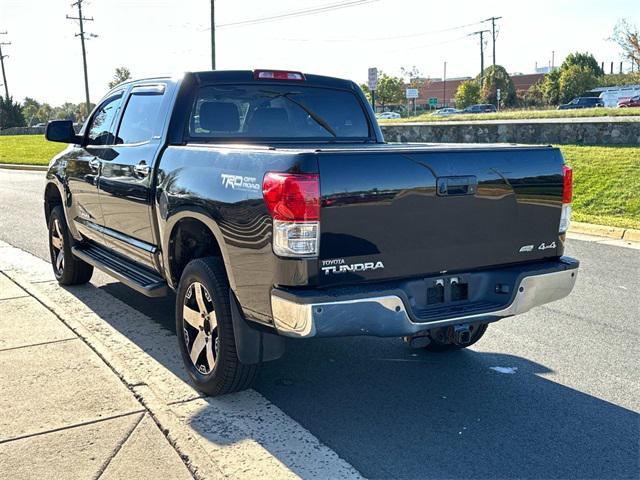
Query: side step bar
138,278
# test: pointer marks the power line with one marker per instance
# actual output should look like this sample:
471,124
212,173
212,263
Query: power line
4,75
297,13
81,19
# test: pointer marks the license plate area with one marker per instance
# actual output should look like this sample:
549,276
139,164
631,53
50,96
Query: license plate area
451,289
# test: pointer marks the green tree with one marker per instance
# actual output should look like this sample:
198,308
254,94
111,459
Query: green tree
82,113
585,60
497,77
551,88
581,69
122,74
576,80
534,97
620,79
390,90
66,111
45,113
366,91
30,108
10,114
468,93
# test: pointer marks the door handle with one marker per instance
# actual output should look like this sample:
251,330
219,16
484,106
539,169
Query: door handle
142,169
452,186
94,164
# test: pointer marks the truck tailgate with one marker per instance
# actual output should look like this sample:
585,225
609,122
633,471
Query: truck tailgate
399,212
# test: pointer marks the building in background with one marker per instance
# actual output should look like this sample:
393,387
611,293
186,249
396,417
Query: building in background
445,92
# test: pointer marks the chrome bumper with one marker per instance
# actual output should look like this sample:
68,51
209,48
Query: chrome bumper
387,315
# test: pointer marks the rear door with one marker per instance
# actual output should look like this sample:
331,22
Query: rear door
83,168
127,179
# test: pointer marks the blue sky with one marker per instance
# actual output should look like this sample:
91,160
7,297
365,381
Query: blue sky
153,37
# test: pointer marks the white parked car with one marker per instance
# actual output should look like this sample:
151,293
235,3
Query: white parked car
613,95
387,115
443,112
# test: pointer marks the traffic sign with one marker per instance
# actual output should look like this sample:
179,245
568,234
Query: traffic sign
373,78
433,101
412,93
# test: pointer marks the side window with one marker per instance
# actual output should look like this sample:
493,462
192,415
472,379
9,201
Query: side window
141,115
100,131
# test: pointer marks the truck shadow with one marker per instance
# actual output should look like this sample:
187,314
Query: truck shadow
396,413
393,412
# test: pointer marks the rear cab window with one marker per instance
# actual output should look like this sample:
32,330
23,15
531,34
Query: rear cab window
277,112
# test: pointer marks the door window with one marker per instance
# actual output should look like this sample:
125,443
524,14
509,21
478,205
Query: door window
100,130
141,116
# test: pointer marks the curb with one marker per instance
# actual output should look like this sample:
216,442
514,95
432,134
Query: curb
618,233
17,166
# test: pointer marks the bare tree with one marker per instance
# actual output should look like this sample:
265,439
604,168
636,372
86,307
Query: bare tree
627,36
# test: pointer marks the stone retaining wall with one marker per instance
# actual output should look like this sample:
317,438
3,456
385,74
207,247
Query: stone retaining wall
601,132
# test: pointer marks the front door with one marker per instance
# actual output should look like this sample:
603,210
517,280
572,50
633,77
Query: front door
83,169
127,178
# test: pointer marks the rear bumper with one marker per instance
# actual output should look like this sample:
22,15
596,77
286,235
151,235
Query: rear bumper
388,312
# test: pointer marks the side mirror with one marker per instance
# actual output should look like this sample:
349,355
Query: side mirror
62,131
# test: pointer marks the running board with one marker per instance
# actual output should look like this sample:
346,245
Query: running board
138,278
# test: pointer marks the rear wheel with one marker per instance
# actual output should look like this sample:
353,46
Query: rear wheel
205,330
442,338
68,269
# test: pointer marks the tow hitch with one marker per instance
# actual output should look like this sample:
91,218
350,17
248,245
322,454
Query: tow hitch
457,335
461,334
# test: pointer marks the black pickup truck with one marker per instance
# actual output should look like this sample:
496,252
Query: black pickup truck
270,203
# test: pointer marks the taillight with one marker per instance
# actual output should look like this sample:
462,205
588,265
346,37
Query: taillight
293,200
277,75
567,192
567,195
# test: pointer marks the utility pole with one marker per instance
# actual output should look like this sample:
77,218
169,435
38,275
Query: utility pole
4,74
213,36
481,34
444,86
553,59
493,35
81,19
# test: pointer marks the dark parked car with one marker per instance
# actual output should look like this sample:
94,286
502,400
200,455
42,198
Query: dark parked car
272,206
629,102
582,102
480,108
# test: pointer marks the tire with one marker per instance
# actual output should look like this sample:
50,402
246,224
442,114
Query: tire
67,269
439,342
204,328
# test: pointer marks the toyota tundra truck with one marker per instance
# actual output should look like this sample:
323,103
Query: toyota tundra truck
269,202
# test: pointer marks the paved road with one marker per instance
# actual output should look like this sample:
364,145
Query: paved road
569,409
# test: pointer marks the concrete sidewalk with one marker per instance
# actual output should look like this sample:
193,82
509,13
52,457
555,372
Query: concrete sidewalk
65,414
99,362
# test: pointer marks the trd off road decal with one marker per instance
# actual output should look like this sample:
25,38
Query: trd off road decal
238,182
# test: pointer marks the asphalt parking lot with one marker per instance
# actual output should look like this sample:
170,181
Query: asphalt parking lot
554,393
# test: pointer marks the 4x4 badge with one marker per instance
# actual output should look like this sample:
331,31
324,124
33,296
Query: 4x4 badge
544,246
